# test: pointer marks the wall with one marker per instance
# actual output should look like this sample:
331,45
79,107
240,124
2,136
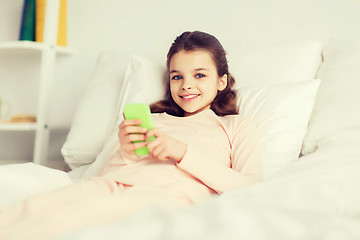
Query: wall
148,28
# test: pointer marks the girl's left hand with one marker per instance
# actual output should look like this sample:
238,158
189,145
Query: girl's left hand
164,147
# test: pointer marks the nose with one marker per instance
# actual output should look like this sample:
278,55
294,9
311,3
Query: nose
187,84
186,87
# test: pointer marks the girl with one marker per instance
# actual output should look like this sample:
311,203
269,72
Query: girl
201,148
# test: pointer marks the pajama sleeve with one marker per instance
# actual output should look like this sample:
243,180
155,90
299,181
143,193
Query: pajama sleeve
118,158
245,159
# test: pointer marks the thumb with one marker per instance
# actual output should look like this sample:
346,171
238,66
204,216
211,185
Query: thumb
152,133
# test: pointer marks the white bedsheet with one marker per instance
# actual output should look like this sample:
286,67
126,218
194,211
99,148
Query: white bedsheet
18,181
316,197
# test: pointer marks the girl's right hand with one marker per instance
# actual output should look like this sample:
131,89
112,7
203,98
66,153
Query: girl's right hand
127,128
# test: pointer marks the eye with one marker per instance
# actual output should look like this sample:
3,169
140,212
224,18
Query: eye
176,77
199,75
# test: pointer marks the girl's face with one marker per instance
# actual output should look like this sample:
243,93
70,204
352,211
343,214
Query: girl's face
194,81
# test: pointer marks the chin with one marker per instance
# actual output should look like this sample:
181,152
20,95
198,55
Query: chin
192,112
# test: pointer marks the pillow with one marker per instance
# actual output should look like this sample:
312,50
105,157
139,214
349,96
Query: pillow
275,63
95,111
253,63
336,116
281,111
143,83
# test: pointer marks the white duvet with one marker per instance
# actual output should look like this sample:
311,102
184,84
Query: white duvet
316,197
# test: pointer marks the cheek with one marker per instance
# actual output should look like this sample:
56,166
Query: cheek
173,89
212,89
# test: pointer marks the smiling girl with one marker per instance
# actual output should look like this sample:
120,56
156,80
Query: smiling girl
202,148
197,125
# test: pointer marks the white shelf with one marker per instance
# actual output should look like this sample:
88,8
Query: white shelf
30,46
13,161
18,126
46,52
52,163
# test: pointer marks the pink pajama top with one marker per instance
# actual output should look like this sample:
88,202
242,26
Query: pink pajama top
223,153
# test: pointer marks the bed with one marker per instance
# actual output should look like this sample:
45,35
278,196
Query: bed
303,96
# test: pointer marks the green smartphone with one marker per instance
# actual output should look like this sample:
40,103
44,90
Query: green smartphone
140,111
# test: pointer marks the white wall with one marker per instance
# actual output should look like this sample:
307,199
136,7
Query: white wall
148,28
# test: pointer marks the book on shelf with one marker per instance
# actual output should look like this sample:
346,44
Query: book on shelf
27,25
62,25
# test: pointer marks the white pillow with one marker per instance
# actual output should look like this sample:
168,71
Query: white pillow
96,110
143,83
272,63
251,63
336,115
282,111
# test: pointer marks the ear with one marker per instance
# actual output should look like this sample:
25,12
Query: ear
223,82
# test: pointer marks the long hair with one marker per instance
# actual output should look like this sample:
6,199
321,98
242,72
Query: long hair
225,102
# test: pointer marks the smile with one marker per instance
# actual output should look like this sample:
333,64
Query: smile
189,97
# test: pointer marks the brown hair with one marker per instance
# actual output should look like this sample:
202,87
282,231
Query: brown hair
225,103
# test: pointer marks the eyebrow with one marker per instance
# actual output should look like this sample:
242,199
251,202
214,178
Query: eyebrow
195,70
174,71
201,69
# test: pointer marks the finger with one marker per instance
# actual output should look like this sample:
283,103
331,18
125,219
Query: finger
153,132
136,137
153,144
133,146
164,156
150,133
125,135
137,145
130,122
126,138
131,138
158,150
133,129
161,153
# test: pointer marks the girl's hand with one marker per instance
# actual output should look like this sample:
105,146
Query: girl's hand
164,147
127,128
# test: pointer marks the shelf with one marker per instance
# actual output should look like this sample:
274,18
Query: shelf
13,161
44,54
18,126
30,46
58,164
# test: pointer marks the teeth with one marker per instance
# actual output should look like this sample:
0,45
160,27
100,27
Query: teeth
190,96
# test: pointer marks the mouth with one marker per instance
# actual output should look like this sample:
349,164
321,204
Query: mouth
189,97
